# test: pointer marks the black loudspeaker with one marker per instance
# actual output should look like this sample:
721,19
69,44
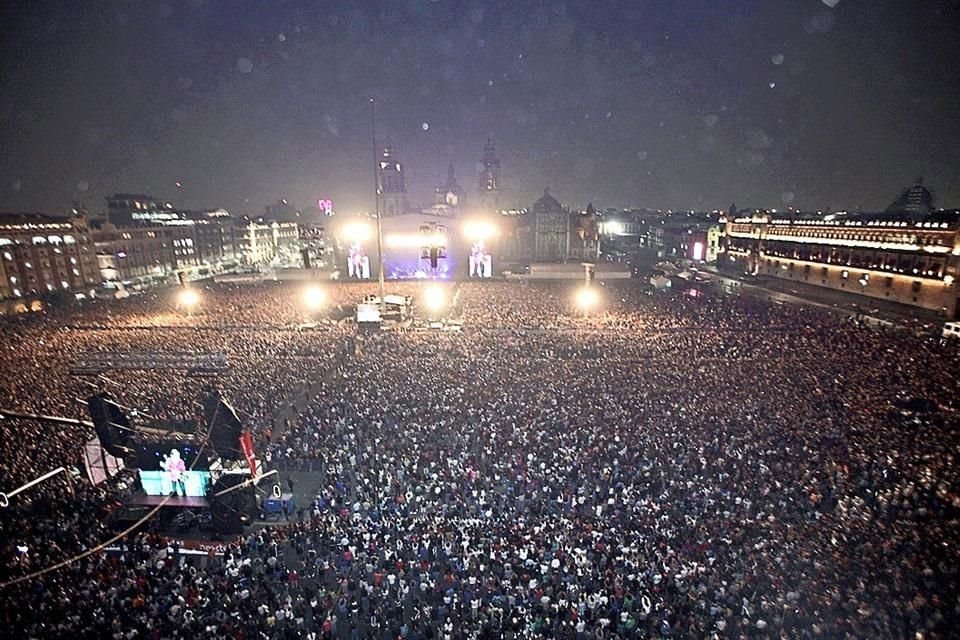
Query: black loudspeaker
306,258
111,424
181,278
126,517
232,511
224,425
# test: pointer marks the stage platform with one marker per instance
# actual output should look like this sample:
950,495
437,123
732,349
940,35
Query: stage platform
173,501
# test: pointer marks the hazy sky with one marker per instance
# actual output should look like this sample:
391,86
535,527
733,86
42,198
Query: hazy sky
669,103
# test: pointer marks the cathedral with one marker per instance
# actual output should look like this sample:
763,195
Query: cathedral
450,199
551,232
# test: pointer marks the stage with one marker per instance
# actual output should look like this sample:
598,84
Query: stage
143,500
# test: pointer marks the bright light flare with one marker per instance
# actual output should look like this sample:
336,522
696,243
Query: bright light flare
479,230
587,298
435,298
418,240
188,298
314,297
613,228
356,231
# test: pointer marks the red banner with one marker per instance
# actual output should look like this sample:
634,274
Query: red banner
246,443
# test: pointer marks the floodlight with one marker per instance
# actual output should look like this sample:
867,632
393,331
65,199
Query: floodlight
356,232
587,298
435,298
188,298
314,297
476,230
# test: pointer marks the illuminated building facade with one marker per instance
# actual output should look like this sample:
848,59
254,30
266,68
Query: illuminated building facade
262,242
886,257
130,209
146,242
40,254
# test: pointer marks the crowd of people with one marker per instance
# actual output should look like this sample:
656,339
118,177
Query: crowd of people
658,466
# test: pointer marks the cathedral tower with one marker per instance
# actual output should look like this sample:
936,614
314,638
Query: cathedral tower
391,185
490,179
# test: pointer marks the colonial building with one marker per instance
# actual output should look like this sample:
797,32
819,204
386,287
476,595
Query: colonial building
129,209
43,253
890,257
261,242
146,240
550,232
137,255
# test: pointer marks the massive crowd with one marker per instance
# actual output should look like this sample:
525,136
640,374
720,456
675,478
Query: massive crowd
661,466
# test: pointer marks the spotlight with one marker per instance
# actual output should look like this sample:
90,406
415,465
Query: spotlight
435,298
314,297
587,298
478,230
356,232
188,298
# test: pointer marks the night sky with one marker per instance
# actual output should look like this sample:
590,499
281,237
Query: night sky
679,104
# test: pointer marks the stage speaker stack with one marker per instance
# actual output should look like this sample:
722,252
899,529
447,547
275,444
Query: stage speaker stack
232,511
224,426
112,426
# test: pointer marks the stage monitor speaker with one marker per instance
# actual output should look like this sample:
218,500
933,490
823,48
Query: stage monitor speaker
224,426
111,424
126,517
230,512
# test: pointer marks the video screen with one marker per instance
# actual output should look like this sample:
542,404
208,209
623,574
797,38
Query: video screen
358,263
173,468
481,262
